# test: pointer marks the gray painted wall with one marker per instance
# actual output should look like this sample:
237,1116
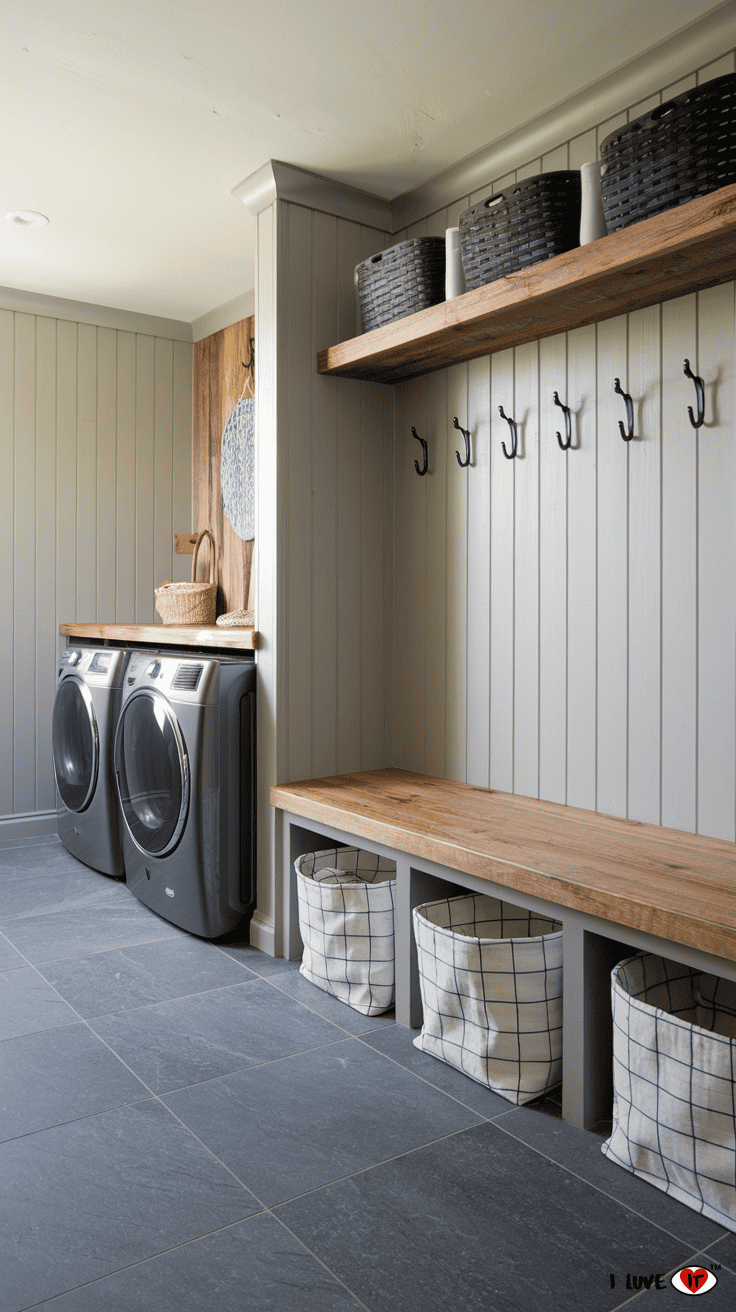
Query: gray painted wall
95,453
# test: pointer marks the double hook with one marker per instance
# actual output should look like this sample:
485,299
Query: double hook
699,397
251,362
628,432
514,436
466,434
564,446
425,465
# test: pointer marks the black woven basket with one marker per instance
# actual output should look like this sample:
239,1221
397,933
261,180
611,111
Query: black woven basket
531,221
682,149
401,280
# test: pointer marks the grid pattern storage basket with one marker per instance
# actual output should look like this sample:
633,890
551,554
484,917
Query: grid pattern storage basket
531,221
401,280
346,901
682,149
674,1111
490,976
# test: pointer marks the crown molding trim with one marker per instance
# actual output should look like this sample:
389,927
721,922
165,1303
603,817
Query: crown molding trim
278,181
240,307
103,316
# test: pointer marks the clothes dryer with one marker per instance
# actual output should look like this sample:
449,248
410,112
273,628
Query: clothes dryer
185,771
83,722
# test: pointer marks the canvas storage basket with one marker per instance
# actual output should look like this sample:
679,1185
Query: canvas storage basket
490,976
190,603
346,916
674,1031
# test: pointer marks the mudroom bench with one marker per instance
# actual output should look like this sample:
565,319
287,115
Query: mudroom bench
614,885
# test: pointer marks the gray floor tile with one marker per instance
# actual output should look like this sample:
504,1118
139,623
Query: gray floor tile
27,855
725,1251
255,960
481,1223
294,1125
580,1151
354,1022
10,958
57,1076
721,1296
398,1043
115,920
255,1266
149,972
28,1004
88,1198
62,888
174,1044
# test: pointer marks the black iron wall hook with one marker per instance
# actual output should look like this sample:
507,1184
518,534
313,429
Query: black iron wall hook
251,363
699,397
466,434
626,435
564,446
514,436
425,467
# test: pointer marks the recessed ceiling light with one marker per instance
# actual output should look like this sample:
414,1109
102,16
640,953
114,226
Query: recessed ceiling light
26,219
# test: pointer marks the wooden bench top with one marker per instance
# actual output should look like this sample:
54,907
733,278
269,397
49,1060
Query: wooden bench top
678,886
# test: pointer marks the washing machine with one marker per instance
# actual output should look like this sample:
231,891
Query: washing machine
185,772
84,718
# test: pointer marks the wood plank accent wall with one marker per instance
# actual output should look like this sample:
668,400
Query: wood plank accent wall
95,449
219,382
564,623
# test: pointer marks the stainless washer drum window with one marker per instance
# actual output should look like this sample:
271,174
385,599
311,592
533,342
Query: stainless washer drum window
152,770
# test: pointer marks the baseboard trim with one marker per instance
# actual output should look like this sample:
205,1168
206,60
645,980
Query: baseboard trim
263,935
32,824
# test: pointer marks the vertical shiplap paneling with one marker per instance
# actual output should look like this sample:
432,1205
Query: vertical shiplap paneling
87,523
66,470
526,564
503,473
324,401
377,454
679,569
553,466
645,566
716,593
478,710
45,525
24,565
182,452
163,421
402,426
106,473
300,580
581,573
456,579
145,580
414,510
125,485
613,571
437,569
349,530
7,519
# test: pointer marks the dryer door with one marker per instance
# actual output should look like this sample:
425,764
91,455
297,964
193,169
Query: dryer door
76,743
152,770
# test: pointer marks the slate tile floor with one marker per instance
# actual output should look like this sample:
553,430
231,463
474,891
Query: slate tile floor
189,1126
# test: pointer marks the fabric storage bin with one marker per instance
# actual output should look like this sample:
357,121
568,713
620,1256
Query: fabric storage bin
346,916
491,982
674,1033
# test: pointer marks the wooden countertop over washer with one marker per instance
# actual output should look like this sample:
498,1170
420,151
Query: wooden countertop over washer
672,884
174,635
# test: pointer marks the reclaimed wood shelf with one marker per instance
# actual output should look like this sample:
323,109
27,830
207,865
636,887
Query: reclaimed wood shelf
172,635
669,255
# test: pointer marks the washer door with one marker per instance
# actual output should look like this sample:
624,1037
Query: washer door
152,770
76,743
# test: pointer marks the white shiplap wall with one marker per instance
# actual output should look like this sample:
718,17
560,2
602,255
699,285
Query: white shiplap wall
564,623
95,453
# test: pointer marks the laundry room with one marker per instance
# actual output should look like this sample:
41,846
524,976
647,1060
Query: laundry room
311,604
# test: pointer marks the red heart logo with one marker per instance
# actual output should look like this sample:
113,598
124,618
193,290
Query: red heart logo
693,1277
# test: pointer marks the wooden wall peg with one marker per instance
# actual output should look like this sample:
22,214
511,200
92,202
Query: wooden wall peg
184,544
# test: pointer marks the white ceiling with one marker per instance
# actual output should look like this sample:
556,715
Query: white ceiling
129,123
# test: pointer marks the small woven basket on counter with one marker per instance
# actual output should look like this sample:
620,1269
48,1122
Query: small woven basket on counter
682,149
521,225
190,603
401,280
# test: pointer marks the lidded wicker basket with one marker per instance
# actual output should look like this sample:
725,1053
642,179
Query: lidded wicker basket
190,603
